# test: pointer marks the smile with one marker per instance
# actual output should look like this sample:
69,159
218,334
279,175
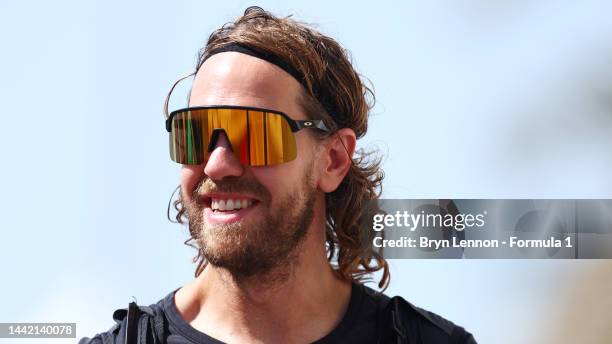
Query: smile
227,208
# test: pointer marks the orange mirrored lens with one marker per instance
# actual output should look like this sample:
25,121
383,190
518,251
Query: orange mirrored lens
257,138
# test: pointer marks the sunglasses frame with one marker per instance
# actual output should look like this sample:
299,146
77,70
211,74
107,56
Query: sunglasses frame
295,125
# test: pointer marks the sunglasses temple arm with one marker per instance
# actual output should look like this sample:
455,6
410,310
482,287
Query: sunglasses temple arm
317,124
167,101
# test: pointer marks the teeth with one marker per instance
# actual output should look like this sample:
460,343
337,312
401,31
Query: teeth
230,204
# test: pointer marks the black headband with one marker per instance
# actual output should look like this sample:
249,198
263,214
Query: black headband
322,97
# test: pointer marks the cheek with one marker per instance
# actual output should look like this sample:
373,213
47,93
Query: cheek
270,178
282,179
190,177
279,179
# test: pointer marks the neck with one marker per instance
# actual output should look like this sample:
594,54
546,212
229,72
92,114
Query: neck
301,302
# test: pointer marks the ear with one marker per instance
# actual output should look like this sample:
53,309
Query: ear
336,159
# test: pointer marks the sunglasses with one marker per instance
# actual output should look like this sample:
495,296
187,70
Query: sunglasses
257,137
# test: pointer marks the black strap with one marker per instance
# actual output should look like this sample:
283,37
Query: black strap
401,322
131,327
143,324
390,325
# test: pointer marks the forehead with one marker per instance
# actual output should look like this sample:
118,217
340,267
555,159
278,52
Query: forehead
232,78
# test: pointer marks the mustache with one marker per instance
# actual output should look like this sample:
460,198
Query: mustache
245,185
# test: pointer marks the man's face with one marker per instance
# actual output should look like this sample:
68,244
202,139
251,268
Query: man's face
279,199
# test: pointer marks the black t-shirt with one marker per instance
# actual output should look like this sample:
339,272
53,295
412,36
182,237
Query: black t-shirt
357,326
364,321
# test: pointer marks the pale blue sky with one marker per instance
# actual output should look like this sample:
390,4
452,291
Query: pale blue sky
476,99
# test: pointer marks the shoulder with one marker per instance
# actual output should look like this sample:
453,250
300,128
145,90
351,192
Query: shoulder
115,334
433,326
401,318
128,321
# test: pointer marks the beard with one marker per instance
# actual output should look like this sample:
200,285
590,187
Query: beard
258,245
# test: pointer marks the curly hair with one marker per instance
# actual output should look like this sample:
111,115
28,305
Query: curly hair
329,78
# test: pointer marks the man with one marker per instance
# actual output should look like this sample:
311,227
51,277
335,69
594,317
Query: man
274,198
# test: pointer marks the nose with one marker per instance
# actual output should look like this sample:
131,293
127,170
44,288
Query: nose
221,160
